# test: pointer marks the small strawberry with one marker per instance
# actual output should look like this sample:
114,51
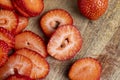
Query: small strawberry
18,10
4,49
85,69
18,77
6,4
8,20
7,36
33,8
22,64
92,9
30,40
22,24
65,42
54,18
40,66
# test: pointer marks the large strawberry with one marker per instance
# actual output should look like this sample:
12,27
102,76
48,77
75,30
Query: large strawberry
92,9
65,42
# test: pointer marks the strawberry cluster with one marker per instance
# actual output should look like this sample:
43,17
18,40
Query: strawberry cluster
27,59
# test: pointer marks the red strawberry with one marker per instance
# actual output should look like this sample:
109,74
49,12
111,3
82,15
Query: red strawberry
85,69
23,22
4,49
65,42
54,18
7,36
8,20
30,40
18,77
20,11
40,66
6,4
33,8
22,64
92,9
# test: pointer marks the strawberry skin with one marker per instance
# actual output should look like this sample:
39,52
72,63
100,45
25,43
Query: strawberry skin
54,18
22,24
22,64
85,69
30,40
65,42
6,4
18,10
4,49
7,36
33,8
92,9
40,66
8,20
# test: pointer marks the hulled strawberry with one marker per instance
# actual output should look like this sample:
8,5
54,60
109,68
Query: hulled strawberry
6,4
17,62
33,8
85,69
22,24
54,18
7,36
30,40
65,42
40,66
8,20
92,9
4,49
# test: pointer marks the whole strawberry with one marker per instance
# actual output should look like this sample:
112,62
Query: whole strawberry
92,9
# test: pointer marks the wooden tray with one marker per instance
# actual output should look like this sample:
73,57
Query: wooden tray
101,39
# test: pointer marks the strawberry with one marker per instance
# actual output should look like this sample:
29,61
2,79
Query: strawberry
18,10
65,42
85,69
18,77
6,4
8,20
33,8
7,36
30,40
4,49
40,66
22,64
22,24
54,18
92,9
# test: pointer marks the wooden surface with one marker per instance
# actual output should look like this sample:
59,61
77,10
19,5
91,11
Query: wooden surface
101,39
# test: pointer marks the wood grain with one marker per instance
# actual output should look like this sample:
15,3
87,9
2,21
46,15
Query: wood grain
101,39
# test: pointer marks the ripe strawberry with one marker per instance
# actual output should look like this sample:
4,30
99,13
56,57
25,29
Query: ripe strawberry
85,69
18,77
18,10
33,8
6,4
40,66
54,18
22,64
4,49
65,42
8,20
92,9
7,36
30,40
22,24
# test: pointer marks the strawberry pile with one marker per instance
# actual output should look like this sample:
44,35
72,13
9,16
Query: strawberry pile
23,53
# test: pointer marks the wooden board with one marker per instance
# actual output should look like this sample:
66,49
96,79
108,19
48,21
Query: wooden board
101,39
